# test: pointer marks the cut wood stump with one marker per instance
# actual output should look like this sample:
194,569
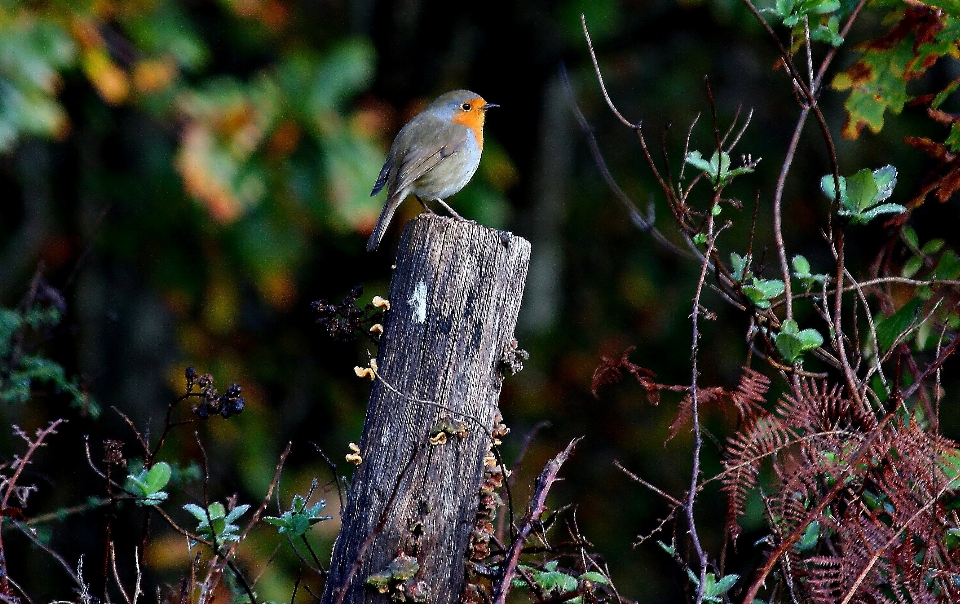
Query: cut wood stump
448,338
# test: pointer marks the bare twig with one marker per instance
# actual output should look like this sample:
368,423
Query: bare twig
673,500
603,87
11,488
933,367
645,224
536,507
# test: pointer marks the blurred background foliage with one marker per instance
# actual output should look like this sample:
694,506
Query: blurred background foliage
190,174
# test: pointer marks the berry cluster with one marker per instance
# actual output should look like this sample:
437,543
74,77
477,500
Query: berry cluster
343,321
211,402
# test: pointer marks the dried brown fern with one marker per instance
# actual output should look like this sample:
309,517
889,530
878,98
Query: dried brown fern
880,538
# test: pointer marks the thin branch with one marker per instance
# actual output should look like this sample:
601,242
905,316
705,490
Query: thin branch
673,500
603,87
644,224
536,507
876,368
932,367
695,404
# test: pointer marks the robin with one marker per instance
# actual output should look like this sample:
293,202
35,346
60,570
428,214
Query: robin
434,155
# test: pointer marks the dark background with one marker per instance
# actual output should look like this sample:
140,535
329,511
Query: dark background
285,110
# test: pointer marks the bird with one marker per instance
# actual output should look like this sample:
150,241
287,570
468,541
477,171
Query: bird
434,155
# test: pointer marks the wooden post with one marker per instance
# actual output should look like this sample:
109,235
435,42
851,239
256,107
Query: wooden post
411,506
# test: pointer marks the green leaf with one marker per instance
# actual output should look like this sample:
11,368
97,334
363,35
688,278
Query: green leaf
724,584
670,549
877,82
890,328
761,291
953,138
237,512
949,266
810,537
885,179
801,266
158,476
556,581
828,188
884,208
198,512
933,246
952,538
862,191
215,523
911,266
791,342
739,264
801,270
822,7
945,93
695,159
595,577
789,346
147,486
910,237
298,519
810,338
829,32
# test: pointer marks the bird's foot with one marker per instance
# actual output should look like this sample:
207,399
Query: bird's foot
425,206
452,211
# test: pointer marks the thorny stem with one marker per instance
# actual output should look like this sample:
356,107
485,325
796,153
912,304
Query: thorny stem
694,404
10,484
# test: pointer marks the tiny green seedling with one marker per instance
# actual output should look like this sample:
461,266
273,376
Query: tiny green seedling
717,168
801,271
861,194
762,291
299,518
714,590
791,343
147,485
793,13
215,523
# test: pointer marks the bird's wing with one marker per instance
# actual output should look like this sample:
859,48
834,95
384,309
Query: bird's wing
411,167
382,179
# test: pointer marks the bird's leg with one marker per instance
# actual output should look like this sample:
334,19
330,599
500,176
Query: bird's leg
425,206
452,212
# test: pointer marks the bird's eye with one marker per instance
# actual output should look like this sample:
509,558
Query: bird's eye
465,106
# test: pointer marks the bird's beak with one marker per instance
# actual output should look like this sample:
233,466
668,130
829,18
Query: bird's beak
490,106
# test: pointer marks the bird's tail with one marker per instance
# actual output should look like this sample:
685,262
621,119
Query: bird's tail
383,222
